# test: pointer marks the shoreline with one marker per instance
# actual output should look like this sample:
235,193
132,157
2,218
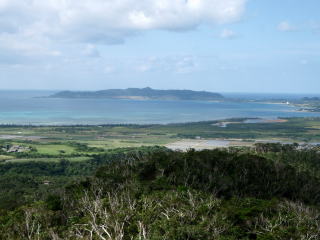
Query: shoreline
213,121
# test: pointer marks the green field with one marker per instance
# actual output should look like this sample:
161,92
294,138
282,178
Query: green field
294,129
53,149
5,157
52,143
74,159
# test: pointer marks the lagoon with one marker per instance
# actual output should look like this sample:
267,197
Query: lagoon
30,107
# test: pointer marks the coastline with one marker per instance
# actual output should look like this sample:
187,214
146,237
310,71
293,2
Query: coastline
213,122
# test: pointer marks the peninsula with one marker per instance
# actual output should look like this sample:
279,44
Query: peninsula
142,94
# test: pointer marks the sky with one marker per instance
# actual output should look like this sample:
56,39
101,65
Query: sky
262,46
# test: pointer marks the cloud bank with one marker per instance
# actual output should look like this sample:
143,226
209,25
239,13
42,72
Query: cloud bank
26,23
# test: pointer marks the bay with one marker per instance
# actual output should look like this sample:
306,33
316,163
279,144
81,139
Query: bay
31,107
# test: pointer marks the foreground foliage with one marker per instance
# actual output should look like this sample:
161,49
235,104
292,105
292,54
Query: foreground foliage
159,194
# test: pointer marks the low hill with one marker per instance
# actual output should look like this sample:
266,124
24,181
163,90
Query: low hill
142,94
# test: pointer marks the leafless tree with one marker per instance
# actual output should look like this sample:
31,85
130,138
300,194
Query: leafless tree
32,226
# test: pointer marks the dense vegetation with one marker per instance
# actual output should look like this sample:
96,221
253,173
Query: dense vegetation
144,93
270,191
26,181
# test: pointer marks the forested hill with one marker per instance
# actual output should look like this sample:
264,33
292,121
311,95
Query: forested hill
143,94
270,192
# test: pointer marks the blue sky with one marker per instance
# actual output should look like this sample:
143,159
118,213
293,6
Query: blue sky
216,45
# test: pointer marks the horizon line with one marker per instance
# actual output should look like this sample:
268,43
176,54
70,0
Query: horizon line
213,91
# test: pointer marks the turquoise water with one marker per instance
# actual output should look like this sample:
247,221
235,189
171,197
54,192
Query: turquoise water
25,107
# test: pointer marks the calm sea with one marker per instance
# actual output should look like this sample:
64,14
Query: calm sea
26,107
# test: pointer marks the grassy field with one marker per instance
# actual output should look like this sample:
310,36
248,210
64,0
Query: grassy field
58,142
294,128
5,157
53,159
54,149
110,136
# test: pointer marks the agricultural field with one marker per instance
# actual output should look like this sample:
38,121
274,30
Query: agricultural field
54,149
77,143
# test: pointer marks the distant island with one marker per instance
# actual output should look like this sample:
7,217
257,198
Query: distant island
142,94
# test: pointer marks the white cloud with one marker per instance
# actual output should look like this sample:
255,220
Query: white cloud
171,64
286,27
109,21
228,34
144,68
185,65
39,31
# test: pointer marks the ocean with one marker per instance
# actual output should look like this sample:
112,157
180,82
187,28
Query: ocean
31,107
